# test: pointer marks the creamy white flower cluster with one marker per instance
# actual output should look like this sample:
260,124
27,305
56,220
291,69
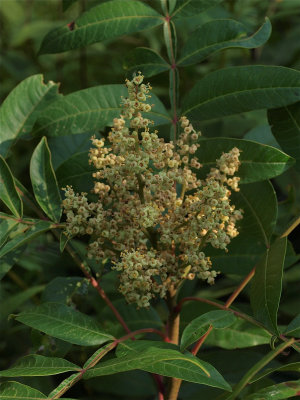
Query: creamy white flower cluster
154,217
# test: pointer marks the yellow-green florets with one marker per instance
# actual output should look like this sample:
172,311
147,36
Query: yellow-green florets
154,236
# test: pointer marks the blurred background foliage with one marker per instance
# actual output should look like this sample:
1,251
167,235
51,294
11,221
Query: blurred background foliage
24,23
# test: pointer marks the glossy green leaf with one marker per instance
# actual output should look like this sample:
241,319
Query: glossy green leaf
13,302
18,391
188,8
163,362
20,109
281,391
218,319
146,60
285,124
259,202
235,90
221,34
77,172
293,328
63,322
292,367
36,365
258,161
8,191
267,285
32,231
44,181
239,335
90,110
105,21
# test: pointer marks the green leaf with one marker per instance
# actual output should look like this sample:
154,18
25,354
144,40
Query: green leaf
188,8
77,172
163,362
36,365
235,90
267,285
20,109
130,347
32,231
89,110
13,302
9,260
259,202
239,335
63,240
44,182
62,289
258,161
293,328
218,319
8,193
66,383
285,124
148,61
105,21
18,391
292,367
281,391
63,322
221,34
6,227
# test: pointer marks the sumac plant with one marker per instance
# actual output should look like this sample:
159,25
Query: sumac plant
147,259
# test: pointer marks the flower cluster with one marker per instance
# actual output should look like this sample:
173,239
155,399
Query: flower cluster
154,216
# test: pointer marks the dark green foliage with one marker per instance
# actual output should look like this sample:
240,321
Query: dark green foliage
232,67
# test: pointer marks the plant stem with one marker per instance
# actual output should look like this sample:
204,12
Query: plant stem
173,326
257,367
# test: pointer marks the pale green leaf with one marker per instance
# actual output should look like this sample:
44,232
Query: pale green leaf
20,109
235,90
36,365
105,21
219,319
63,322
44,181
239,335
8,191
218,35
32,231
18,391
